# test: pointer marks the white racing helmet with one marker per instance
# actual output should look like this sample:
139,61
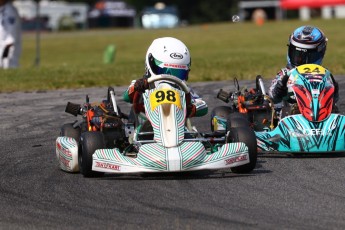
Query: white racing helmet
168,55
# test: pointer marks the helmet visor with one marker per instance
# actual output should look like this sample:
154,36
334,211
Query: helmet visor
300,56
177,70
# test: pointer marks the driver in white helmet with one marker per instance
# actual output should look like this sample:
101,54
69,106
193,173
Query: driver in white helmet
167,55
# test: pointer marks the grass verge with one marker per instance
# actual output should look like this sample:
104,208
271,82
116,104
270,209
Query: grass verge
219,52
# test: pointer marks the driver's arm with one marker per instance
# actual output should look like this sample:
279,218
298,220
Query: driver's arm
278,88
336,89
199,107
139,85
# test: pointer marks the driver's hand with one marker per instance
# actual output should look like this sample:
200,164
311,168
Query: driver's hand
281,89
285,77
141,85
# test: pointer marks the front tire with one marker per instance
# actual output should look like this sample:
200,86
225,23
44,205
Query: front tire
90,142
247,136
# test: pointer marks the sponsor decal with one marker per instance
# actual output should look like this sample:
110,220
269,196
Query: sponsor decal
63,150
64,161
314,79
107,166
300,49
235,159
315,91
176,56
310,132
175,66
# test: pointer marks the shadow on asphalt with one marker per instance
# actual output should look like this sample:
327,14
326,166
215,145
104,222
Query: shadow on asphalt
199,175
301,155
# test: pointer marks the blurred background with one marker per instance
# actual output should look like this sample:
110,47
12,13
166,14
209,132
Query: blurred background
74,15
79,44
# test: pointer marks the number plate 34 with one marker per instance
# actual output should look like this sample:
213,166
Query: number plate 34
165,96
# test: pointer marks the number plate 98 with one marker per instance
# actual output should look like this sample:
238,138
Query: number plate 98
165,96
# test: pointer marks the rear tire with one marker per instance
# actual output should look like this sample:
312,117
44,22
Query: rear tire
67,130
146,127
247,136
90,142
220,111
236,120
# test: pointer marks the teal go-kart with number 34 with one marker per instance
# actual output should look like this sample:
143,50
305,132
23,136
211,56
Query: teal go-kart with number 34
165,140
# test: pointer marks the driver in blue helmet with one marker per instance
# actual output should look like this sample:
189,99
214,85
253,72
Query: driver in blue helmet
166,55
307,45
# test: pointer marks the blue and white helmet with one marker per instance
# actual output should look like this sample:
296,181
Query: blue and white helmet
168,55
307,45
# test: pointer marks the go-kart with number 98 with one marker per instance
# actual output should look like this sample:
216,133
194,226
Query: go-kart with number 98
165,141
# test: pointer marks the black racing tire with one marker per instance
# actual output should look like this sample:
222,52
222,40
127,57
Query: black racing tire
247,136
237,120
67,130
90,142
221,111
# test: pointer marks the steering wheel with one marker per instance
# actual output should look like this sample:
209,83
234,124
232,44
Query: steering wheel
138,107
170,78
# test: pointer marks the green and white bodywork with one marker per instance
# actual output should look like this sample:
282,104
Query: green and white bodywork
169,151
175,147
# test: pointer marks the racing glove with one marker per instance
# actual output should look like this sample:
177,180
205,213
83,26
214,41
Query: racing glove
281,90
141,85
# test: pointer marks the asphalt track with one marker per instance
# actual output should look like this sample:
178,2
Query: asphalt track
281,193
